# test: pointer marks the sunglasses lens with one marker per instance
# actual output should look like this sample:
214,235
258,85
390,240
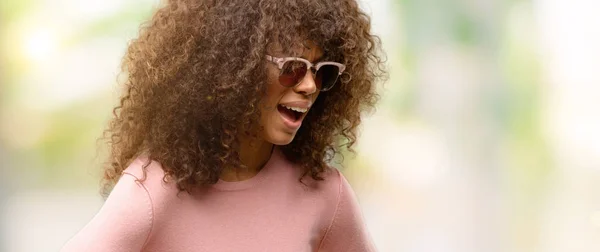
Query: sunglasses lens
292,73
327,76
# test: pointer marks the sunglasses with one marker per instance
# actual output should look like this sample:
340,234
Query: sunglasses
294,69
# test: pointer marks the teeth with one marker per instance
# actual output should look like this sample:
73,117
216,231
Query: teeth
301,110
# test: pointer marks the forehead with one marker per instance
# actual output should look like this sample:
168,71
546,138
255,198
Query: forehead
306,49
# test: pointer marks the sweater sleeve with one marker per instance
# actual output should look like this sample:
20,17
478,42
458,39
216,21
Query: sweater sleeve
347,231
123,223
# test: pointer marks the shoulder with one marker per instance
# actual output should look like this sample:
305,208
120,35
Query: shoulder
144,170
126,220
331,184
151,176
334,189
343,217
327,189
327,193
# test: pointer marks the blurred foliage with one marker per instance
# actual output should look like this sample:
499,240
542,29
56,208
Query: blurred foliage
67,148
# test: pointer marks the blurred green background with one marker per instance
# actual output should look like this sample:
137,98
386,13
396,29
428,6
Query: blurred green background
486,138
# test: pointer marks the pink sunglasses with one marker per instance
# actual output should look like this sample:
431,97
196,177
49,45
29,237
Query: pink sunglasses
293,70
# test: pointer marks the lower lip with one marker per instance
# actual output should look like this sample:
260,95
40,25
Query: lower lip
294,125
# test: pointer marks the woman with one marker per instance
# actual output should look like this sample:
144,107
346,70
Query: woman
231,112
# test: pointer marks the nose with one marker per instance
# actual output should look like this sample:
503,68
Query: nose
307,85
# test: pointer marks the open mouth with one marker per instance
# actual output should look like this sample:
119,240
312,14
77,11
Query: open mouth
289,114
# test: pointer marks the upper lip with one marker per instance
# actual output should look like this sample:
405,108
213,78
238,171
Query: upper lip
297,104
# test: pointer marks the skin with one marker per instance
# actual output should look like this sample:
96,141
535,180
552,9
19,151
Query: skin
256,151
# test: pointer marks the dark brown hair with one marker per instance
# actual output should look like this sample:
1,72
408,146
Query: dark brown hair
196,73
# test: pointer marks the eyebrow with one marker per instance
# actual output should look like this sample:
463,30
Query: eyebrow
280,53
310,49
318,59
311,61
306,46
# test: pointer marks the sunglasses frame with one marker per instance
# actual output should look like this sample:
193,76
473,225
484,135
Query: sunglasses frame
281,61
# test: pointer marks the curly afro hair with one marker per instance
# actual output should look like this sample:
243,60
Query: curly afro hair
196,73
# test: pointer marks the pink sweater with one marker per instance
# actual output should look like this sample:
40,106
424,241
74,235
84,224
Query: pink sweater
271,211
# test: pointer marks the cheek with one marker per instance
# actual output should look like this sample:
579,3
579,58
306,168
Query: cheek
273,94
274,90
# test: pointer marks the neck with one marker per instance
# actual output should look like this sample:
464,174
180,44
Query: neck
254,154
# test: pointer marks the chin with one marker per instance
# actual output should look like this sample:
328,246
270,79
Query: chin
279,138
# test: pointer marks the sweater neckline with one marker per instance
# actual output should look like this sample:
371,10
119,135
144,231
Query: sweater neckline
274,159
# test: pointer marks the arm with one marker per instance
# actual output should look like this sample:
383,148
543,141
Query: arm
123,223
347,231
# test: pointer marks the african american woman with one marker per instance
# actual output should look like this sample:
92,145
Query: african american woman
231,114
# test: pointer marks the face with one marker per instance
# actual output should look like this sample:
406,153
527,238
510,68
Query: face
283,108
